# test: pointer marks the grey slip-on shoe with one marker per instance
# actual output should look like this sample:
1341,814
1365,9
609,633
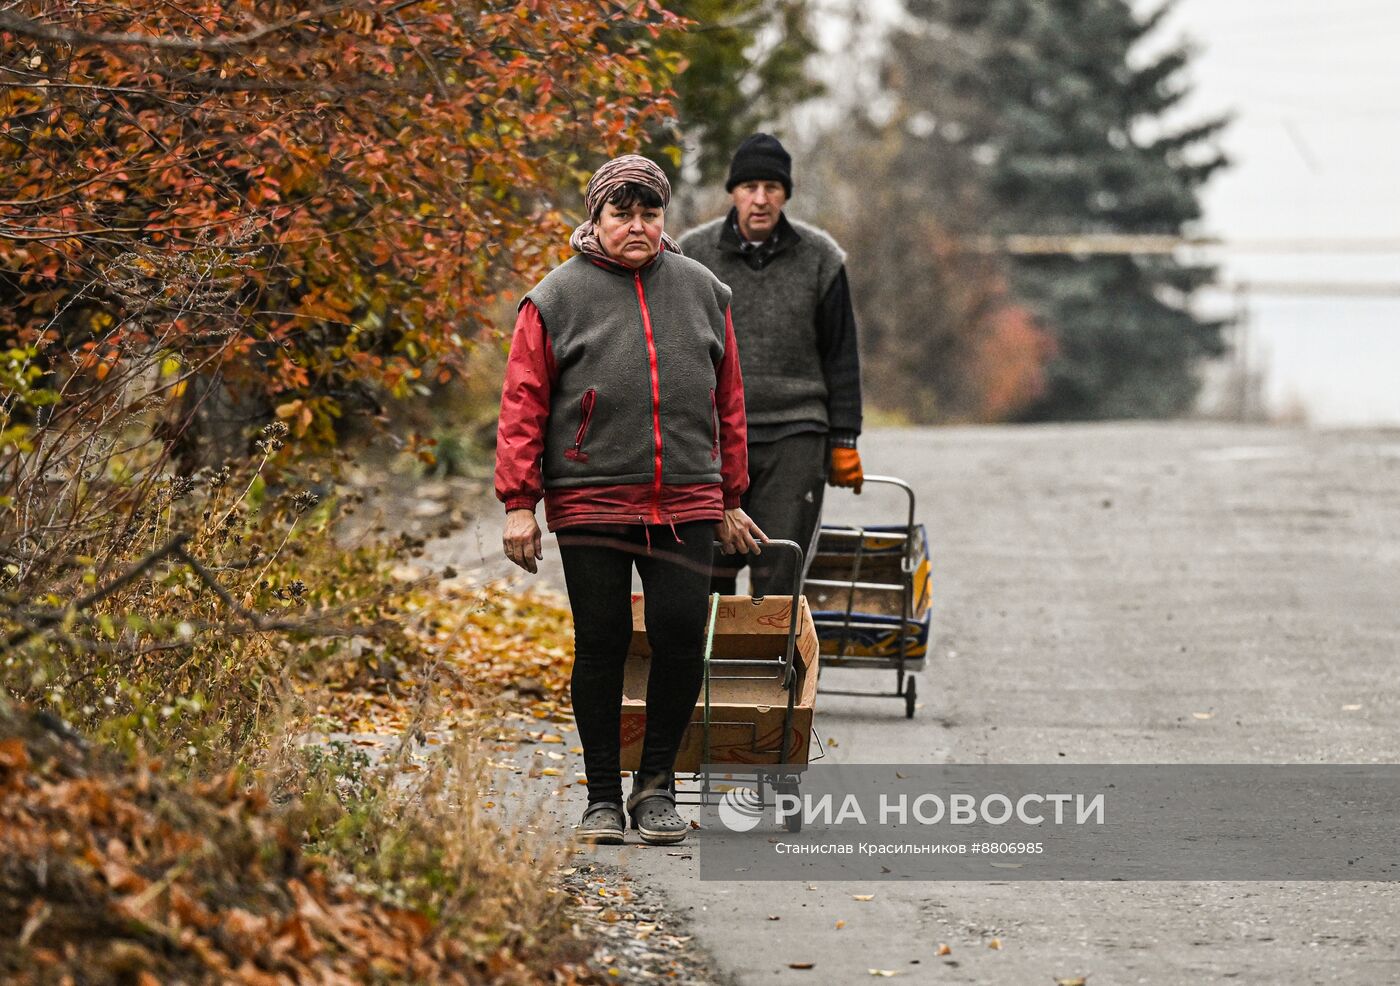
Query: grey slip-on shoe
602,824
654,816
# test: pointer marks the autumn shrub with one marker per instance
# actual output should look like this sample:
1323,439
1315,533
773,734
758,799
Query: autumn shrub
112,872
219,624
171,612
311,209
213,627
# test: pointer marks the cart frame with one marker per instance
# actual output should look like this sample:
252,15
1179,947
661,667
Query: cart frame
782,778
906,685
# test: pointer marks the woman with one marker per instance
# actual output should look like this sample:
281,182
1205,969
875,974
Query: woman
623,408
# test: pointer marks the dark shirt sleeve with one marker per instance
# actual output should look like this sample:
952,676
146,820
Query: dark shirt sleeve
836,339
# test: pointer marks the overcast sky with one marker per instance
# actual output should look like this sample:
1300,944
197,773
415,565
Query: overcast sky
1315,89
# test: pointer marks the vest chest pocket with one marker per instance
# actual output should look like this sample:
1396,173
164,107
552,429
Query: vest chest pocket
586,403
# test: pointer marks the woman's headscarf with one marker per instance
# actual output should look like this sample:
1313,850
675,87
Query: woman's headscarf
624,170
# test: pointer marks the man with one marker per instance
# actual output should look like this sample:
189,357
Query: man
797,353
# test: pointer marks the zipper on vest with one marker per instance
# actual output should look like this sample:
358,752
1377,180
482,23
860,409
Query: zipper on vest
655,397
714,425
586,402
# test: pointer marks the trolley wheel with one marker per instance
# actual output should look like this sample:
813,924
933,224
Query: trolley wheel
910,693
793,823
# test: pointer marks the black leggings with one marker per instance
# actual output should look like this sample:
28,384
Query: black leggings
675,584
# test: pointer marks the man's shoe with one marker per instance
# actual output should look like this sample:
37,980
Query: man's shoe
602,824
654,816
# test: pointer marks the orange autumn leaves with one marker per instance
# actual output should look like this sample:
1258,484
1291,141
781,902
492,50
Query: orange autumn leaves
317,203
115,873
201,885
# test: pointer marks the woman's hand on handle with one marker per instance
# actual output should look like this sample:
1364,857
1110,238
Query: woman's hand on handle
737,533
522,539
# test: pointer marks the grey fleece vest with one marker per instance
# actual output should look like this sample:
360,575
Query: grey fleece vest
601,428
775,319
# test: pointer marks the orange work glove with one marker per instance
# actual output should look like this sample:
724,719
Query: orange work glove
845,468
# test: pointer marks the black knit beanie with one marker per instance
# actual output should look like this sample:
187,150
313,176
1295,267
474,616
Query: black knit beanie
760,158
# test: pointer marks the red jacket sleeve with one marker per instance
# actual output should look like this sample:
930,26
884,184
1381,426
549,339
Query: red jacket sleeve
530,377
733,425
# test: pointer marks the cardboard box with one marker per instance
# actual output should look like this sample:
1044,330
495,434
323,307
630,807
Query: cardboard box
747,701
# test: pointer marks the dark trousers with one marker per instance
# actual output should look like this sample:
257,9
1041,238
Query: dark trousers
675,585
786,481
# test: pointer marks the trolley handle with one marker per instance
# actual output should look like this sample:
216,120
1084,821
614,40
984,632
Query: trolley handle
789,654
907,563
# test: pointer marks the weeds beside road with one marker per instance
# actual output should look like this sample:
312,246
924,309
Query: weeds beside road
167,811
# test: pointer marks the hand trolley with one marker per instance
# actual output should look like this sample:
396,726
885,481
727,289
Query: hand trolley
757,700
869,588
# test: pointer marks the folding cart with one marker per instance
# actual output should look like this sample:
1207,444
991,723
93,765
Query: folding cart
757,701
869,588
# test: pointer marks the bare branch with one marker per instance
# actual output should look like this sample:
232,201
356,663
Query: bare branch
174,546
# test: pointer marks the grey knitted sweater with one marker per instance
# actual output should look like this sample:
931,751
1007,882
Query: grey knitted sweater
779,307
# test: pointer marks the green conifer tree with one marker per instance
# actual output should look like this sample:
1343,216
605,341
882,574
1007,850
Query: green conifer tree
745,68
1062,120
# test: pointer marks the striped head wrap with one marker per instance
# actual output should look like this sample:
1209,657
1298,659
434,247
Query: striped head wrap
624,170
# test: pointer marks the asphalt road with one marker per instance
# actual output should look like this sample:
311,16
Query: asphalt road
1103,594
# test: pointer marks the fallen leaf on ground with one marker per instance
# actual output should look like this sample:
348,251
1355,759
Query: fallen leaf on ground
862,896
1076,981
994,943
840,925
1203,715
801,965
943,949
